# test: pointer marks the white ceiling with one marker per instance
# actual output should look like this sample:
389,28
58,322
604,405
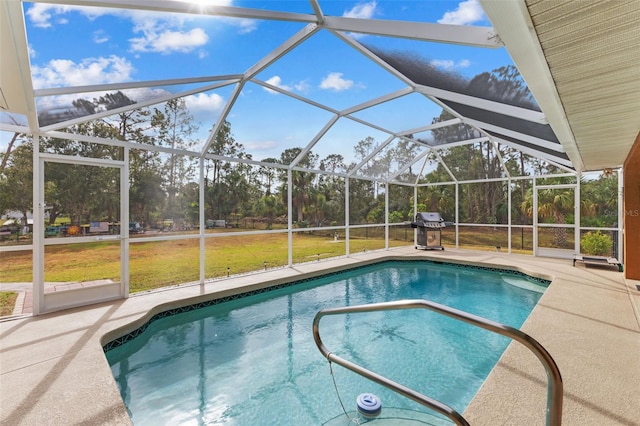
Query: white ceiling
580,59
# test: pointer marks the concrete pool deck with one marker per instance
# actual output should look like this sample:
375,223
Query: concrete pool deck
53,369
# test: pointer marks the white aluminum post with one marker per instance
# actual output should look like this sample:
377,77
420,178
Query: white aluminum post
290,218
124,232
386,216
346,216
38,229
509,216
620,253
201,221
576,213
415,212
457,216
535,217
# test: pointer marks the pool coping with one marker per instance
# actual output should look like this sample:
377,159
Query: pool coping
45,360
124,334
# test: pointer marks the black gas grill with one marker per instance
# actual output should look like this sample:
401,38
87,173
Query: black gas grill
429,227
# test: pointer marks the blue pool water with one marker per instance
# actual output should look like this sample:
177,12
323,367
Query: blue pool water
253,361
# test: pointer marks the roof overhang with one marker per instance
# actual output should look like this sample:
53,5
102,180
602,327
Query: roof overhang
581,62
16,93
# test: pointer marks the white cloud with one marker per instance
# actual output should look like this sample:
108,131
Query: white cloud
100,37
335,82
64,72
166,41
203,102
448,64
259,146
443,63
45,15
41,14
467,13
276,81
157,32
302,86
245,25
362,10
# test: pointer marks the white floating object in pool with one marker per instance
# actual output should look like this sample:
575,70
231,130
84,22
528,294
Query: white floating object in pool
369,405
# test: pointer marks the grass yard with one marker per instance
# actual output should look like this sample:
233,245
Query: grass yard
157,264
7,302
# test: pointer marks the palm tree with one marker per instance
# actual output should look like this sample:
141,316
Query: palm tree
599,201
553,206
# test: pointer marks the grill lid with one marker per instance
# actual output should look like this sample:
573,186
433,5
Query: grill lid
429,217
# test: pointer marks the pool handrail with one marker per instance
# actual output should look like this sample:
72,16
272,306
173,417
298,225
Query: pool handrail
554,379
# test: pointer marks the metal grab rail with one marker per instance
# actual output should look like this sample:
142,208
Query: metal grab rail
554,379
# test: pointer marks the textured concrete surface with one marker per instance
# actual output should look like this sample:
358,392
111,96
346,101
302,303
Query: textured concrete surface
53,370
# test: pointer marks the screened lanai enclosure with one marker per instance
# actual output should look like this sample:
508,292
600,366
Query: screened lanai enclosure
151,144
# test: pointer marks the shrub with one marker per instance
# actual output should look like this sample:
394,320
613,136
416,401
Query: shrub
596,243
396,217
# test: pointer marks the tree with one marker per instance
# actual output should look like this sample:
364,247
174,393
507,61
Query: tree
85,193
175,126
270,206
504,85
554,205
16,137
16,181
361,200
187,201
484,203
404,153
226,183
599,201
332,187
377,166
146,195
268,175
301,182
318,208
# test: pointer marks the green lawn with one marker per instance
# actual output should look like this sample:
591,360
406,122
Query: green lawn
162,263
7,302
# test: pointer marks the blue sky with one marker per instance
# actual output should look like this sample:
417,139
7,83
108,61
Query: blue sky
72,46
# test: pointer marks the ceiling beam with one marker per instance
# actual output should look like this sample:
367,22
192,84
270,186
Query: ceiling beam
465,35
516,135
191,8
438,125
55,91
493,106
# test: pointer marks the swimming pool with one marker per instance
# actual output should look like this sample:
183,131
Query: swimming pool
252,360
